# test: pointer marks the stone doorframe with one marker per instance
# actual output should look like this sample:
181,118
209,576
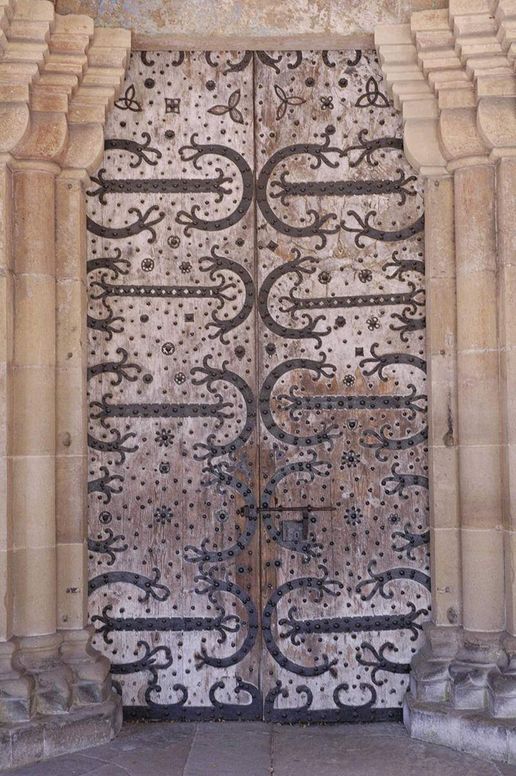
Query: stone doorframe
452,73
58,77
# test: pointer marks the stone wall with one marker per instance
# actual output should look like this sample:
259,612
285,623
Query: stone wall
237,24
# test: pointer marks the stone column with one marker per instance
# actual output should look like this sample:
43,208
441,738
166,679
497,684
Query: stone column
479,431
91,680
429,676
502,685
6,348
55,692
33,440
441,349
15,687
16,73
506,237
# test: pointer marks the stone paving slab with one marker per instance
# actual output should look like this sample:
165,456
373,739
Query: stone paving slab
261,749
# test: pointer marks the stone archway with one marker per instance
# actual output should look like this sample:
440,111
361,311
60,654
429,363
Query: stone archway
452,72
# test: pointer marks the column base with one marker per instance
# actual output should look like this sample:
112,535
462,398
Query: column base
56,696
51,735
38,657
480,657
463,692
16,688
91,682
473,732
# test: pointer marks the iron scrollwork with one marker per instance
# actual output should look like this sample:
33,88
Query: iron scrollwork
257,433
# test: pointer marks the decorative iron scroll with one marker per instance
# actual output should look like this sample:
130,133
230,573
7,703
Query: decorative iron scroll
257,475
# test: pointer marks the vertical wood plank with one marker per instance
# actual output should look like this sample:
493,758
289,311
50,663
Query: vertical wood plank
342,403
174,567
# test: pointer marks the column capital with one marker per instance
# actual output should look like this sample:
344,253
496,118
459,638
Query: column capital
496,121
452,72
58,78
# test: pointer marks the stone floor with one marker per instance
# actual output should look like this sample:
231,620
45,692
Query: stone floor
260,749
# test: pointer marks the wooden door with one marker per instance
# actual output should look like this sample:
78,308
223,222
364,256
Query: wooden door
257,479
175,568
345,574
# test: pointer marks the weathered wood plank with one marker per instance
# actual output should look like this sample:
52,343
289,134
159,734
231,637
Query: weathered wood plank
340,262
171,302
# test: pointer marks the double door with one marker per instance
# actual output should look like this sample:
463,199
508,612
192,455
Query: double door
257,473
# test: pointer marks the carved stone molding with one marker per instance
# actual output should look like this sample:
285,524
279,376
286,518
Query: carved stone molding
58,78
452,73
